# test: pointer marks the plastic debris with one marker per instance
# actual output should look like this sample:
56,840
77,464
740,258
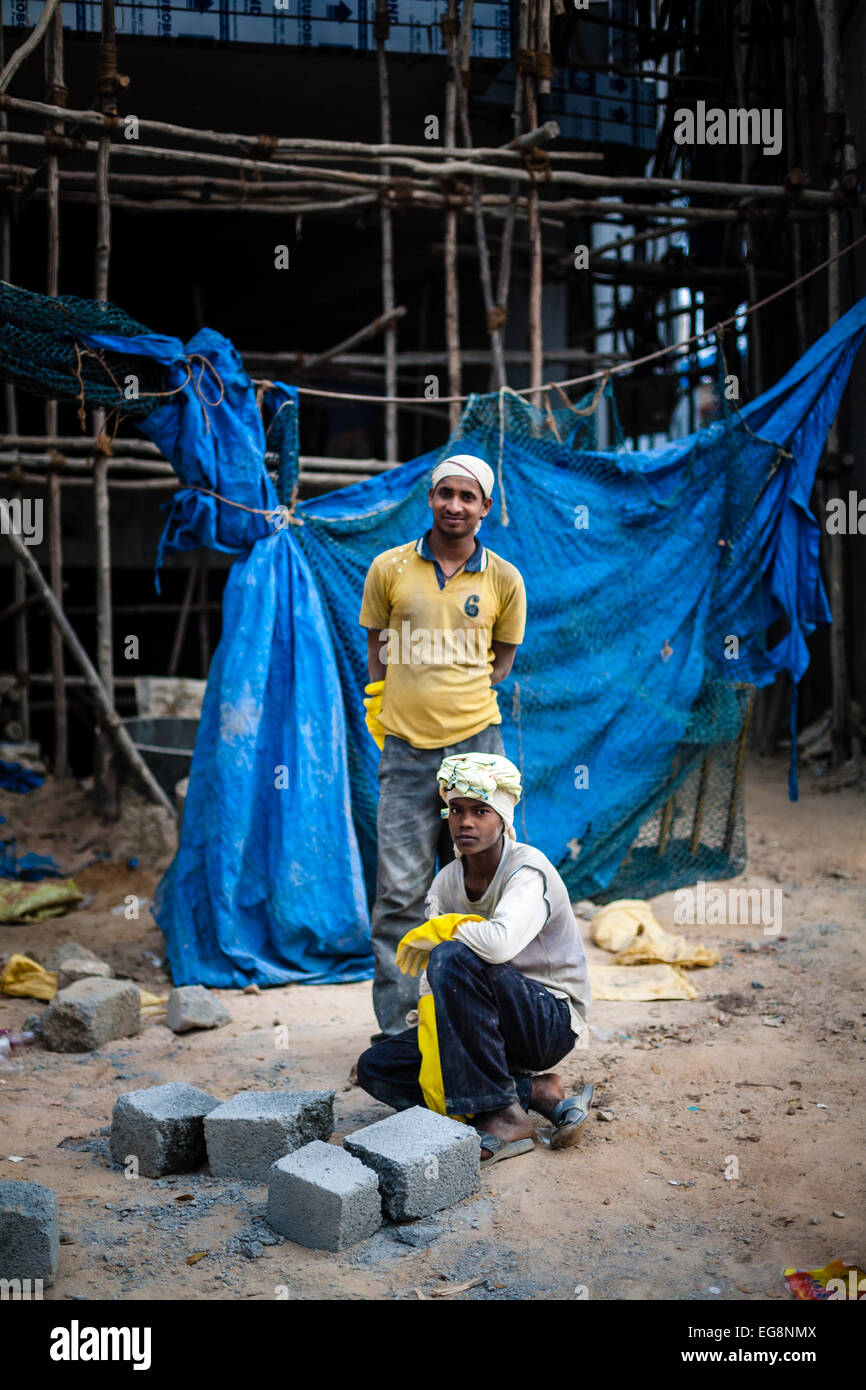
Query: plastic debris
837,1280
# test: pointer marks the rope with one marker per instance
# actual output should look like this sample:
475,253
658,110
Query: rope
550,420
206,365
271,513
593,405
599,375
535,61
783,453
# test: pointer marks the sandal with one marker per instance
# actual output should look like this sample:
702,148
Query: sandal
569,1117
501,1148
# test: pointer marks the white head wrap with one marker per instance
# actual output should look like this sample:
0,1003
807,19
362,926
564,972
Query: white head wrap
483,777
466,466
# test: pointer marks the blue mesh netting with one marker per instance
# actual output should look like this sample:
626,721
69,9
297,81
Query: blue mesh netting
628,670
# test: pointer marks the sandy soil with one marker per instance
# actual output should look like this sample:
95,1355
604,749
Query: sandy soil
642,1209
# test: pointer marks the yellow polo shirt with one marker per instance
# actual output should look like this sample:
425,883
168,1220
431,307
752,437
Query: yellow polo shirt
438,650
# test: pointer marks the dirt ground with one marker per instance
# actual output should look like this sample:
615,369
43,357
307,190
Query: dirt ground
641,1210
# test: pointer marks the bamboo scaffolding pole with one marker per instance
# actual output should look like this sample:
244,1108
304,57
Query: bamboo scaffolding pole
248,146
22,641
72,442
381,26
370,330
56,94
462,163
308,478
182,619
542,44
430,196
756,356
504,277
494,318
203,617
19,586
792,125
23,51
6,246
286,194
536,290
415,357
198,184
20,606
110,720
834,118
450,29
105,776
155,462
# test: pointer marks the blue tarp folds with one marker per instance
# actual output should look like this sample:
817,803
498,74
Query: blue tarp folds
685,545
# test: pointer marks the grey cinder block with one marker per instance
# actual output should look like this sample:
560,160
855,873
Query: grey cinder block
424,1161
162,1126
29,1231
247,1134
193,1006
70,950
90,1013
322,1197
82,968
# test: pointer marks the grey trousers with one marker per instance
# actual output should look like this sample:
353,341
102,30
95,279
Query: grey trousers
409,829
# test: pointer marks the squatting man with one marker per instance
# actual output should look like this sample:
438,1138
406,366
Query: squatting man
444,617
504,990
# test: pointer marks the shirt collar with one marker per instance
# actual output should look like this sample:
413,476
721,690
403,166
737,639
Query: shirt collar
477,560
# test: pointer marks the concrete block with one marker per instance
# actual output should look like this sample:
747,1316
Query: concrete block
80,968
193,1006
70,950
322,1197
163,1126
29,1231
424,1161
247,1134
90,1013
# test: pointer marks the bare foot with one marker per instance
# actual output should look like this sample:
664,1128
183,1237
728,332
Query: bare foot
547,1091
509,1124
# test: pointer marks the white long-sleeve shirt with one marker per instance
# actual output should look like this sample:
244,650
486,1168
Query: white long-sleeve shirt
528,923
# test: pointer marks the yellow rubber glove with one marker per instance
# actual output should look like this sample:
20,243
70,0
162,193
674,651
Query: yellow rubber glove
417,944
373,706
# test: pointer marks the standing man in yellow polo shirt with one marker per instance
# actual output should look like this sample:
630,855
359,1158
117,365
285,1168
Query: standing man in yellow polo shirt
444,617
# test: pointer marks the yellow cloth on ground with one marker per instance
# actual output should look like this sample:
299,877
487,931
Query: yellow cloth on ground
417,944
629,928
373,717
25,977
637,983
33,902
152,1003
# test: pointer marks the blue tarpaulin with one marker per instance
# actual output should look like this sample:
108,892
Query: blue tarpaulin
639,567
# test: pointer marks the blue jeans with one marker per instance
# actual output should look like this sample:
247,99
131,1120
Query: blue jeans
493,1025
411,832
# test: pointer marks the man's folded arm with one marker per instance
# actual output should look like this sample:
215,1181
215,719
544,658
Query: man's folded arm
521,914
